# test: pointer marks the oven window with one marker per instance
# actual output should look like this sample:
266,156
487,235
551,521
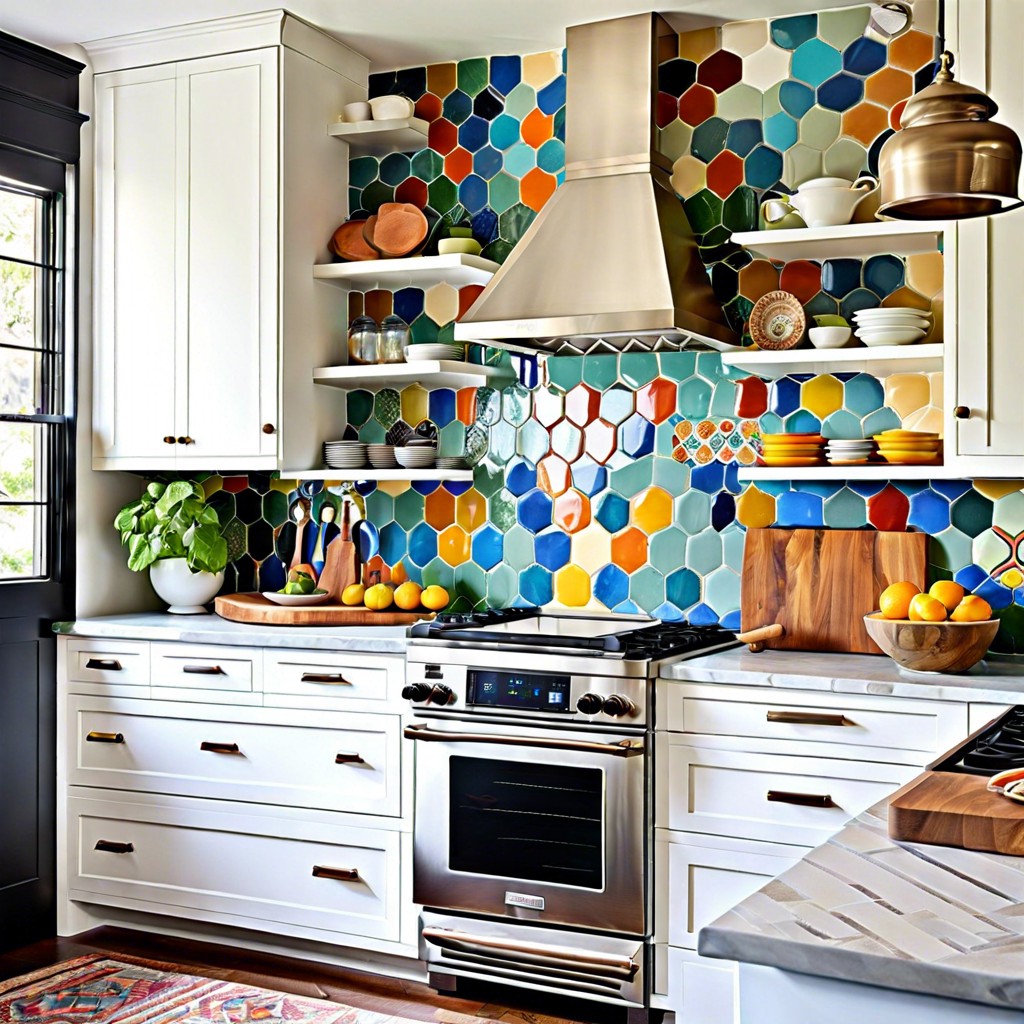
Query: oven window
532,822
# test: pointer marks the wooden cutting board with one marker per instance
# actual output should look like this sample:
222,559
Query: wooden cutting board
820,584
256,609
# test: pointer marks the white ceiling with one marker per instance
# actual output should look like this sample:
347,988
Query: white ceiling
392,33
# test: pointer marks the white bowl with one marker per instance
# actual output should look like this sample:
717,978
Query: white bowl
385,108
354,112
898,320
889,310
297,600
889,335
829,337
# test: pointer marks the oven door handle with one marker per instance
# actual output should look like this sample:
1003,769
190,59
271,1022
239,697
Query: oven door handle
624,748
532,952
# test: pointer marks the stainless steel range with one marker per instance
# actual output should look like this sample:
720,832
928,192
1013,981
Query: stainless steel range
533,810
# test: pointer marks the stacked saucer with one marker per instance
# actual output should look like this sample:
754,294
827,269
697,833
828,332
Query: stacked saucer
452,462
414,353
792,449
382,456
896,325
344,454
909,447
849,452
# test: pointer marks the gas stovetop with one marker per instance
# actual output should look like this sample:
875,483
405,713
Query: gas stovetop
630,638
997,749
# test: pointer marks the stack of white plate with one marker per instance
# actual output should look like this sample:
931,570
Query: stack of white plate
414,353
452,462
849,453
897,325
344,454
382,456
420,456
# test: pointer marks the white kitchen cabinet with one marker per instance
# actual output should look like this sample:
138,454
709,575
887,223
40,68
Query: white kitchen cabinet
217,187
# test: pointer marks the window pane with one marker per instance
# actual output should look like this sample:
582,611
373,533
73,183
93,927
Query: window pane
19,381
22,462
18,215
21,549
20,298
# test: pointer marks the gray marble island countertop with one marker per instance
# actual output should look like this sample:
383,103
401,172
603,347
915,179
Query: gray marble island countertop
212,629
991,681
927,919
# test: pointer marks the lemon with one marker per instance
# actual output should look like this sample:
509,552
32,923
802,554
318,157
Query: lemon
948,592
353,594
379,597
435,598
972,609
925,608
894,601
1012,578
407,596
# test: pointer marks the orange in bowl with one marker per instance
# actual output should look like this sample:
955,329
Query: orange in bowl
925,608
894,602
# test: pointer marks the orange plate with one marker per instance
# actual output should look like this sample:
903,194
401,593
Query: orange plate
792,460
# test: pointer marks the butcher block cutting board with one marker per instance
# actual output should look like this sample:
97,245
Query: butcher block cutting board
819,584
256,609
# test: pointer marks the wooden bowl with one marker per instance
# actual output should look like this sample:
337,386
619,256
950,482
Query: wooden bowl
932,646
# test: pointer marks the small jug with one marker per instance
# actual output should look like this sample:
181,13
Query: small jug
827,202
780,213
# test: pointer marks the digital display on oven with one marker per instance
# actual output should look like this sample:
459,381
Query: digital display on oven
521,690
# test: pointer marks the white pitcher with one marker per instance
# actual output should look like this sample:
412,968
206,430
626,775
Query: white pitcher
825,202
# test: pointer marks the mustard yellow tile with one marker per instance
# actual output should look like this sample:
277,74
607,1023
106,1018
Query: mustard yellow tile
935,387
453,545
394,487
591,548
540,68
689,176
471,510
906,393
822,395
572,586
212,484
924,273
994,489
284,486
651,510
929,418
755,509
699,44
415,404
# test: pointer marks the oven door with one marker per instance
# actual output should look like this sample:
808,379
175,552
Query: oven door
545,826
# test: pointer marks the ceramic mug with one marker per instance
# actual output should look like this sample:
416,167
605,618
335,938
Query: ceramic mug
827,202
780,213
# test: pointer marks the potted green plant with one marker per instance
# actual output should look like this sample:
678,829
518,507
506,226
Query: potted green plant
171,531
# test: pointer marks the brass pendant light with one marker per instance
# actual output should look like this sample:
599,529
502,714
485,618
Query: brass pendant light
949,161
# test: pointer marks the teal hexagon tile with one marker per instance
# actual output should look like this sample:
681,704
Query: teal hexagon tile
275,508
451,441
427,165
991,550
638,368
358,407
565,372
502,441
520,159
380,507
950,549
971,513
863,394
634,477
515,405
704,551
845,510
814,62
600,371
709,366
501,510
502,192
780,131
363,170
1008,513
409,509
617,404
841,424
733,541
567,440
664,440
693,512
488,406
471,583
502,586
667,549
880,420
844,26
519,549
647,588
520,101
372,433
802,422
438,573
677,366
533,441
671,476
694,398
488,477
820,127
722,591
723,400
769,423
423,330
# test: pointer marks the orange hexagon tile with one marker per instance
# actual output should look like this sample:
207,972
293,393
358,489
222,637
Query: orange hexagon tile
888,86
442,78
537,188
465,406
458,164
802,278
697,104
651,510
378,304
865,122
572,511
629,549
453,545
758,278
471,510
599,441
912,50
439,508
822,395
468,294
553,475
429,107
582,405
537,128
572,586
725,172
657,401
755,509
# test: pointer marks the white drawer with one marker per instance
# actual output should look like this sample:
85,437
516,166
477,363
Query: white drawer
120,662
222,868
320,676
869,727
188,667
343,762
757,796
697,989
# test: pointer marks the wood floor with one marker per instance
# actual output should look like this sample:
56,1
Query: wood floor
337,984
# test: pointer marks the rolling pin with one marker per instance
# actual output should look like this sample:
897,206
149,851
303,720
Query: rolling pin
755,638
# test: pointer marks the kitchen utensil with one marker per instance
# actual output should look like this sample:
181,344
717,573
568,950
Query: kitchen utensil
829,337
777,321
300,515
366,537
392,339
326,531
898,458
297,600
819,584
340,567
932,646
362,340
386,108
416,458
791,460
358,111
755,638
885,311
906,435
381,456
825,202
255,608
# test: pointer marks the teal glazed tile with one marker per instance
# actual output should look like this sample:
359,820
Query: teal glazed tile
671,476
567,441
971,513
515,405
565,372
677,366
845,510
488,406
452,440
841,424
634,477
275,508
733,540
880,420
372,433
471,582
668,549
709,366
359,407
502,441
501,510
1008,513
863,394
476,444
704,551
380,507
488,477
638,368
600,371
664,440
502,586
814,62
520,101
647,588
694,399
519,547
387,407
802,422
723,400
693,512
722,590
409,509
438,573
533,442
950,549
617,404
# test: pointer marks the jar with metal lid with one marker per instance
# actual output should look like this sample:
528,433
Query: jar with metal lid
362,340
394,336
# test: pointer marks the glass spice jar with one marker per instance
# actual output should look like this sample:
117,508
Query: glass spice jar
393,339
362,340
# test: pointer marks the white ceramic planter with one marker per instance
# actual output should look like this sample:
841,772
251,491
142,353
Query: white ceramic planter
184,591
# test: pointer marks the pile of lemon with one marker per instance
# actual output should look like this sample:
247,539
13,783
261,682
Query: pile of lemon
407,596
943,600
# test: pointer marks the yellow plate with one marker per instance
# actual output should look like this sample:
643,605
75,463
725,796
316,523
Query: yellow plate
794,449
847,462
906,435
911,458
909,446
792,460
791,438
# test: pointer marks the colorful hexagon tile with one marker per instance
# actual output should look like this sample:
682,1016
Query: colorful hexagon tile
611,586
572,510
572,586
629,549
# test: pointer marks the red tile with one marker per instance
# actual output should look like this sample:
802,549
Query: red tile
725,172
553,475
439,509
802,278
889,509
379,303
467,296
751,398
234,484
721,70
600,441
412,190
657,401
572,511
428,106
582,405
443,136
458,164
696,105
667,109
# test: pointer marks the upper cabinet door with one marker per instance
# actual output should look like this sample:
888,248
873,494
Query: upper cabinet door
227,117
136,250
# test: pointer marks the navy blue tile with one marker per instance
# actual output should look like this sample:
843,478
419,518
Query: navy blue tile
425,486
951,489
743,136
763,168
457,106
409,303
382,83
473,193
487,161
457,487
552,97
884,274
611,586
636,436
534,510
864,56
488,546
411,82
858,299
272,574
488,104
709,478
535,585
521,477
473,133
925,76
876,149
552,548
723,511
797,508
796,98
840,92
612,512
789,33
682,587
676,76
485,226
839,277
422,544
784,396
442,406
506,73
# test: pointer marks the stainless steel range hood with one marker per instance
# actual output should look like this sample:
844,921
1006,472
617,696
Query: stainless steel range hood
611,257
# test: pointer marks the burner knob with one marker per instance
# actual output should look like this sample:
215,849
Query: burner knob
590,703
440,695
617,706
417,692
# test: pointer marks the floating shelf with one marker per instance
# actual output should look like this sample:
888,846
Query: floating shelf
431,373
377,474
869,472
457,269
905,238
378,138
878,361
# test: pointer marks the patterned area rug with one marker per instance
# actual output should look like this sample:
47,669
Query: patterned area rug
100,990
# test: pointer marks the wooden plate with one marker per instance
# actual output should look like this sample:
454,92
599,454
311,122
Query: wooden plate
777,321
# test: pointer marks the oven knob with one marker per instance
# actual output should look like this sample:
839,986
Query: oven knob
617,706
590,704
417,692
440,695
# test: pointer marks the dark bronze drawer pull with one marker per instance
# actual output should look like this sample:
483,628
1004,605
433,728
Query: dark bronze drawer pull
104,664
108,846
325,677
348,759
203,670
780,796
104,737
338,874
219,748
807,718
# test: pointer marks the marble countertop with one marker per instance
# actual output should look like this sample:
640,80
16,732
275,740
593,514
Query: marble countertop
864,908
992,681
212,629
